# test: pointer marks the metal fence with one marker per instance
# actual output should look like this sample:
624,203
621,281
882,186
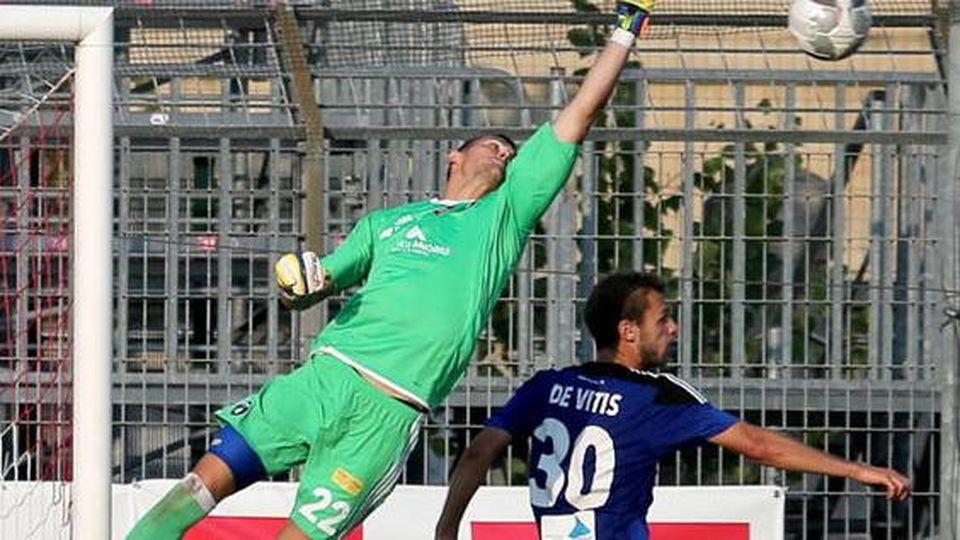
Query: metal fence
796,213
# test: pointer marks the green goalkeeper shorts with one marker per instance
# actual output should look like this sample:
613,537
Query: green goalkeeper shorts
351,438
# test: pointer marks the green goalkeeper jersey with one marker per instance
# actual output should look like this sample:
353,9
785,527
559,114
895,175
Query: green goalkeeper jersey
434,270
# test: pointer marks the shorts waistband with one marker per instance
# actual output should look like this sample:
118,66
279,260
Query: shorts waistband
366,386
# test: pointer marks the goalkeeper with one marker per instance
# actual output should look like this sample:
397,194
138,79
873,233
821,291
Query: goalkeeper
433,271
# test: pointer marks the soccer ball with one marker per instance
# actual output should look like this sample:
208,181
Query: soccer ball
829,29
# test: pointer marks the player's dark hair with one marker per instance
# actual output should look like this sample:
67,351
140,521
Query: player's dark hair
613,300
499,136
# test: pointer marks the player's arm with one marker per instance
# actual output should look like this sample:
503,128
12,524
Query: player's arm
543,164
514,419
466,478
777,450
304,279
573,122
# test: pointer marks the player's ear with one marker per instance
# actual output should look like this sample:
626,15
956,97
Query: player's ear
627,330
454,157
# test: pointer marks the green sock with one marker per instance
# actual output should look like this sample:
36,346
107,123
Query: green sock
179,509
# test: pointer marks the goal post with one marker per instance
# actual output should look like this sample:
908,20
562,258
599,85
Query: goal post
91,29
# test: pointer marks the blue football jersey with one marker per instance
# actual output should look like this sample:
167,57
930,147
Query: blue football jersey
597,432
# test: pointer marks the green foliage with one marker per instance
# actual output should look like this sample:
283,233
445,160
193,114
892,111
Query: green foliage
585,7
619,180
760,216
762,196
587,37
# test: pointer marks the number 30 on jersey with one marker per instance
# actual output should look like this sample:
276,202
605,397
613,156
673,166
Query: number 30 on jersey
573,478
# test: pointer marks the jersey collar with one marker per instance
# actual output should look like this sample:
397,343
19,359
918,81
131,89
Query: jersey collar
451,202
613,369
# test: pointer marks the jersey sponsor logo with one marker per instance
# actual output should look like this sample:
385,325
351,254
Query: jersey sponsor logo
580,529
415,241
400,222
350,483
579,526
415,233
585,399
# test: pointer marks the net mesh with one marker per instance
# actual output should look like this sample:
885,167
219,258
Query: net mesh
35,342
736,7
712,7
201,37
463,35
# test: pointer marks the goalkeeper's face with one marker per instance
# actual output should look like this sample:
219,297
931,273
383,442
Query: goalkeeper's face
483,161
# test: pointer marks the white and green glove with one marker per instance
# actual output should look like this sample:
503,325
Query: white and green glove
634,15
301,279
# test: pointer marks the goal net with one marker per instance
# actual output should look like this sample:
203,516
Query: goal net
439,33
35,359
55,273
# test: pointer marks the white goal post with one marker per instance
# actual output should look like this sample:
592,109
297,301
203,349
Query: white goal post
91,29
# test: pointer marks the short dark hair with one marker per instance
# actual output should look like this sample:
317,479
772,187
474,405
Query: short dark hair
613,300
499,136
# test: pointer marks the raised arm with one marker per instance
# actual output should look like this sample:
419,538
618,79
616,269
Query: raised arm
466,478
776,450
574,121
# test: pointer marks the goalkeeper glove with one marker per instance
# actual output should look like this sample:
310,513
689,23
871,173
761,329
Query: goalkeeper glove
301,279
634,15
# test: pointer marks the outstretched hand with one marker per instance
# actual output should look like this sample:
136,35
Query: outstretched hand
897,485
634,15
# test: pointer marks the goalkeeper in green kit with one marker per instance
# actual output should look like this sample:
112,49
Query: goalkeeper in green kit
433,271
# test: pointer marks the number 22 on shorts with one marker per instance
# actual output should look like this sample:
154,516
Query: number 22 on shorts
324,501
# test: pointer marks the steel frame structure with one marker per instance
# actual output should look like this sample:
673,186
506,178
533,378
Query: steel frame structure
842,347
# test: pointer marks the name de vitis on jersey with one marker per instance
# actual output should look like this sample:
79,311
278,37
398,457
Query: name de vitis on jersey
414,240
584,399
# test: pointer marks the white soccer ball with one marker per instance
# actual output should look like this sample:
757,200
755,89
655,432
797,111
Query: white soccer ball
829,29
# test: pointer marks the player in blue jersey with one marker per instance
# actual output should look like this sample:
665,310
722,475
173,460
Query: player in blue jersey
599,429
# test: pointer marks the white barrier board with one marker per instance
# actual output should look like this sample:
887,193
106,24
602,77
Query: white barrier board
35,509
